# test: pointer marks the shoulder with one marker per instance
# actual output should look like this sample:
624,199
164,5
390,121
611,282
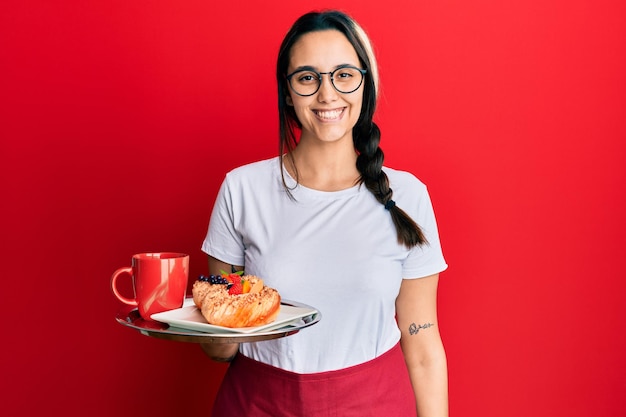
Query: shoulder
251,170
402,181
258,179
255,174
409,192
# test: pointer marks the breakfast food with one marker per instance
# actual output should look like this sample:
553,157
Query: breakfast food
233,300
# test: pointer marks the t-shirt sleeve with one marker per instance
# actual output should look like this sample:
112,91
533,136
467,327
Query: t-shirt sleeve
223,241
427,259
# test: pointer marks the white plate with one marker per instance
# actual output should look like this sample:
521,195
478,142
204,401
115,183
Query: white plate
189,317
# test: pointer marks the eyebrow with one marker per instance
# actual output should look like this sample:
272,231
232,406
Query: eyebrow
311,68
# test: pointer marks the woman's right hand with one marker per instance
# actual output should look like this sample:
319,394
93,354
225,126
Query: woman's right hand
220,352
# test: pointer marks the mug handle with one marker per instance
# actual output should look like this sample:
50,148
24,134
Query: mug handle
116,274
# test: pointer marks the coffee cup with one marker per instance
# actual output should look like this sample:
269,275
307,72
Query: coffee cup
159,282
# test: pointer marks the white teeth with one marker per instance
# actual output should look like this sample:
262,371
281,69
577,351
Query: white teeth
329,115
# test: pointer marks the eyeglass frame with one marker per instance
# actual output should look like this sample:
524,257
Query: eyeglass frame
330,75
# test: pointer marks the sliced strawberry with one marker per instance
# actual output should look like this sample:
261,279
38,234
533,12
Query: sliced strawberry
236,288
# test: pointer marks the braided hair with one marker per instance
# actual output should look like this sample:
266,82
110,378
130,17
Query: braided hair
365,134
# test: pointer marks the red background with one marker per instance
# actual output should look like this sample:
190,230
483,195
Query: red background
120,118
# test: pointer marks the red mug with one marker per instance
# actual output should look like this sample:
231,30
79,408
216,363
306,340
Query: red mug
159,282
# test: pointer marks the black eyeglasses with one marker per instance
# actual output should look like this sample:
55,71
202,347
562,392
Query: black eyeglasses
306,82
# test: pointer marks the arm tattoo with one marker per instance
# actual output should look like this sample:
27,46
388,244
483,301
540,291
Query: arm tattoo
414,329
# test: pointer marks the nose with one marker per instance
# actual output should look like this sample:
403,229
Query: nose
327,92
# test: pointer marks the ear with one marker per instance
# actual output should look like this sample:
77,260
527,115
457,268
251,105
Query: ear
289,101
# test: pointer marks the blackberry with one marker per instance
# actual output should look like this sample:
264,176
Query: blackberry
217,279
214,279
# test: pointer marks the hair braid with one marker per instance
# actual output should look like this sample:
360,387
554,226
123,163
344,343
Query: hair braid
370,164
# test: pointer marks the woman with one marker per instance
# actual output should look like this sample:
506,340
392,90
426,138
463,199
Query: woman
325,224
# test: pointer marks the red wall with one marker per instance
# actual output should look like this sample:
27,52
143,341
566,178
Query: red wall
118,120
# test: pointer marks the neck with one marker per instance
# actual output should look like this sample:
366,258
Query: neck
325,166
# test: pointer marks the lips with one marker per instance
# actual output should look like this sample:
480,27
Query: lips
329,115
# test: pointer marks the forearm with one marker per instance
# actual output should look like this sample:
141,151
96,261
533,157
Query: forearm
220,352
430,384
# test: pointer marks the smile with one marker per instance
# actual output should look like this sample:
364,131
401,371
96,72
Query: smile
329,115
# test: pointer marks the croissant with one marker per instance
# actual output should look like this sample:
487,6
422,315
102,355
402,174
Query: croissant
234,301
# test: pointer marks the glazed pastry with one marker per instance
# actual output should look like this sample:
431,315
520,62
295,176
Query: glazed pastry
231,300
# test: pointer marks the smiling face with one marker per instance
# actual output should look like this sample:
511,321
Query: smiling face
327,115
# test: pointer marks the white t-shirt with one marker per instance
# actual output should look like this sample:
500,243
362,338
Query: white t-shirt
335,251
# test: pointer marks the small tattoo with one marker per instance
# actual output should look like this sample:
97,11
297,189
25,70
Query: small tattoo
414,329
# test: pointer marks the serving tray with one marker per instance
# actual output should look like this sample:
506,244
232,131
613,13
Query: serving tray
130,317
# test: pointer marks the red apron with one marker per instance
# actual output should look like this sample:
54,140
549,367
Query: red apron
380,387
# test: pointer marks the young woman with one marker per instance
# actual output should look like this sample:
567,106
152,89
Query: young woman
327,225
